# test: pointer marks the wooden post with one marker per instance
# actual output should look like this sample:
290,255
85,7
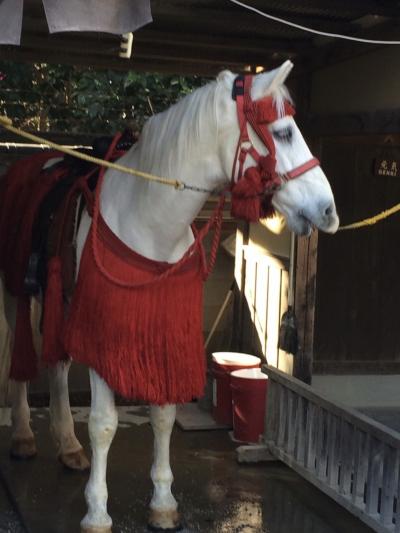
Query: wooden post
305,291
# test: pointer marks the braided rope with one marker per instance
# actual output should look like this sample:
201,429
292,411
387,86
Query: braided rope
372,220
6,123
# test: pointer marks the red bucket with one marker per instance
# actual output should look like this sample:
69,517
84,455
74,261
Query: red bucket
223,364
249,390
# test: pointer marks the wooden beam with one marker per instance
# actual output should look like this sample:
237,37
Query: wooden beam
339,50
30,55
147,51
305,290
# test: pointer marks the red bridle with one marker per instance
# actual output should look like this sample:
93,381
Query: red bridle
252,190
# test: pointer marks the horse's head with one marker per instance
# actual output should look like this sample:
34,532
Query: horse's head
272,165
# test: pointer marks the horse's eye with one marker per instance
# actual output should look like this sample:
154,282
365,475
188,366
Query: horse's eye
284,135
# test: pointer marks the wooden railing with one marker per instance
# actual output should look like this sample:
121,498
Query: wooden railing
347,455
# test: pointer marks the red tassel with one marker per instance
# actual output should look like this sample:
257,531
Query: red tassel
246,196
53,318
24,357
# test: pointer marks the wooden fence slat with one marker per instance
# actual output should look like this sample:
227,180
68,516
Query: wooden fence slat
361,443
389,479
333,447
309,451
272,411
346,457
300,430
282,418
373,476
322,444
397,504
291,420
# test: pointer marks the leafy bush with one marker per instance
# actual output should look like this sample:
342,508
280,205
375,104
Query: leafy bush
78,100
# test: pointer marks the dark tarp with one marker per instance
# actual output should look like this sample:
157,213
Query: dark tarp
10,21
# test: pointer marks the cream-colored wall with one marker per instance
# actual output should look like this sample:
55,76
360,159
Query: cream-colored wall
369,82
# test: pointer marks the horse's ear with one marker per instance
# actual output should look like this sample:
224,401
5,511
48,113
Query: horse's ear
267,82
282,73
225,76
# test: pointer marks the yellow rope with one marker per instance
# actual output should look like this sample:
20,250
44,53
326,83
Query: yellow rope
6,123
372,220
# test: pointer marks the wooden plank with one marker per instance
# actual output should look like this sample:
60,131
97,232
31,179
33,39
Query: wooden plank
300,429
260,311
309,448
397,511
291,421
283,417
322,444
346,457
332,470
242,236
389,484
360,467
306,267
374,476
272,411
360,421
273,316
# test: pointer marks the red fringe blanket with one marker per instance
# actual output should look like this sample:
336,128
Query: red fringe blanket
145,341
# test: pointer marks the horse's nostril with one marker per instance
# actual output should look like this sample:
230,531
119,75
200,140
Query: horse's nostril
328,211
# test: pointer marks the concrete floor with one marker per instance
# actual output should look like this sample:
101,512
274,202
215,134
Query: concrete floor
215,493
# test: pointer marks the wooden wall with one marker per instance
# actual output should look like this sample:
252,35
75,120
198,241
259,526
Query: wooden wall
262,283
357,326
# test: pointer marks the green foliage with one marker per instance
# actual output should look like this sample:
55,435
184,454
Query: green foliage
72,99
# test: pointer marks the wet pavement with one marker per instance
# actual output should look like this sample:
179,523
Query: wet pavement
215,493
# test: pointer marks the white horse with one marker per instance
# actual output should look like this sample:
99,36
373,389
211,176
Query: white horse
195,141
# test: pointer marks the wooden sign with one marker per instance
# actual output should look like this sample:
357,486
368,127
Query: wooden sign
387,167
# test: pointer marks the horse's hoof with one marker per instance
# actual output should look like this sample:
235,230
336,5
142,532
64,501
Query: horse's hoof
96,529
76,461
164,521
23,449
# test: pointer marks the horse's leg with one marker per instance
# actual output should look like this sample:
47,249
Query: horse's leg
22,439
103,421
69,449
163,506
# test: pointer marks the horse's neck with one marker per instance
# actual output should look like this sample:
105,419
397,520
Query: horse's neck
151,218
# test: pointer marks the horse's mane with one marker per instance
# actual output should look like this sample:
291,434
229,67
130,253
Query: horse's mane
175,134
169,137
